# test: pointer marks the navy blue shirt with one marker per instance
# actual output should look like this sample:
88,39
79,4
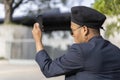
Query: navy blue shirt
97,59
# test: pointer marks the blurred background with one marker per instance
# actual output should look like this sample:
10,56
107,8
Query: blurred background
17,47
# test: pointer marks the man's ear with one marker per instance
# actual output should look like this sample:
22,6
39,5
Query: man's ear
86,30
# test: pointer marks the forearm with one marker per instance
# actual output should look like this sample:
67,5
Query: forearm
37,35
39,46
48,67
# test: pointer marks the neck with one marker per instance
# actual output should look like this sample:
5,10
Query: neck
91,36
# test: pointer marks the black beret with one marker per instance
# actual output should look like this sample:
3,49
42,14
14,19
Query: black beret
82,15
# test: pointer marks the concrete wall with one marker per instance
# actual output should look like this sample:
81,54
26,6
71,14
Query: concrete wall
16,42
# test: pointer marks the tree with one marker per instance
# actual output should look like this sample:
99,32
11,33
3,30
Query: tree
10,6
110,8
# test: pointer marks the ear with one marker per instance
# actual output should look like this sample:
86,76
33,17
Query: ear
86,30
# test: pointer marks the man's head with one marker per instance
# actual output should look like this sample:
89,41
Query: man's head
85,23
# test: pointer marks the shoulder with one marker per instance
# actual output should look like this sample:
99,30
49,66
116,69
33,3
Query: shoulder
82,47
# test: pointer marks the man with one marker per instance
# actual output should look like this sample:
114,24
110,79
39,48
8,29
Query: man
90,58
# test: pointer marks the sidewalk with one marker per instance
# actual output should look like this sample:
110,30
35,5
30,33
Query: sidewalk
21,70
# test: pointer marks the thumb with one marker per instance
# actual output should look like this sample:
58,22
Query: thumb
36,25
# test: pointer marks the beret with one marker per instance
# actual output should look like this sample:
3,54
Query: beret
89,17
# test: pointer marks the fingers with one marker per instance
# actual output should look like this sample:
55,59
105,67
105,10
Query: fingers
36,26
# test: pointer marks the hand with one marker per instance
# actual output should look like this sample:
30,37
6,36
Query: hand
37,33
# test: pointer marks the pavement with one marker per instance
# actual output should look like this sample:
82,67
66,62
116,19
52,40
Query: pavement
22,70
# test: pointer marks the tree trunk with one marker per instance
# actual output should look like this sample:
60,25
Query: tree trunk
8,11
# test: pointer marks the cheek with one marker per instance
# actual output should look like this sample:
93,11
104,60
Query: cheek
76,37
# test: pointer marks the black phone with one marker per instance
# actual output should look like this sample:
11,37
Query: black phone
40,21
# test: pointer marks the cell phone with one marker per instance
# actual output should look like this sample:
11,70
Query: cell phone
40,21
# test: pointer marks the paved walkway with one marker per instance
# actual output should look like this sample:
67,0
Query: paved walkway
22,70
